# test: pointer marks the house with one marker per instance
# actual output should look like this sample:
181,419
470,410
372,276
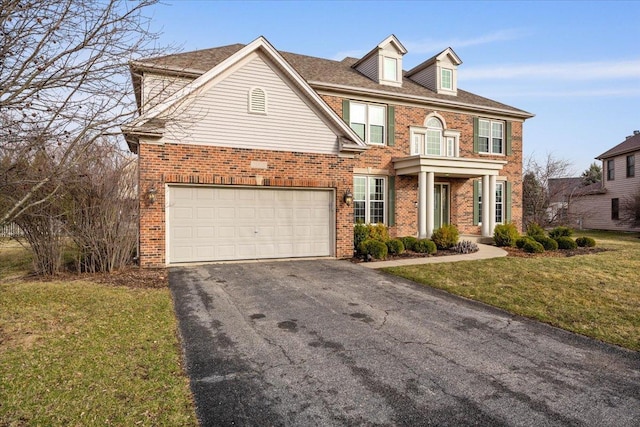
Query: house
246,152
601,206
561,191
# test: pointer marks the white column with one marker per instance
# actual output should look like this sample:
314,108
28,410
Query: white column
486,232
492,203
430,203
422,205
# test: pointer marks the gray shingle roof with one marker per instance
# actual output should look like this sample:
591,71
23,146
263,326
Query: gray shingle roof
320,71
630,144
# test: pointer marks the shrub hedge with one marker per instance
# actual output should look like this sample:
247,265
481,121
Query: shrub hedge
375,248
395,246
566,243
585,242
445,237
425,246
505,234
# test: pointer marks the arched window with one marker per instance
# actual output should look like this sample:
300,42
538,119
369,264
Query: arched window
434,137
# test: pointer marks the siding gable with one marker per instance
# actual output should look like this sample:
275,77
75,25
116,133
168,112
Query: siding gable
219,114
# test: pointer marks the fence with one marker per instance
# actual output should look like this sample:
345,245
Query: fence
11,230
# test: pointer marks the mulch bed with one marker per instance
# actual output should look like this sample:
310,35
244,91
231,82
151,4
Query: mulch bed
131,277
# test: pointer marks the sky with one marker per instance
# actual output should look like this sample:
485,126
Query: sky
574,64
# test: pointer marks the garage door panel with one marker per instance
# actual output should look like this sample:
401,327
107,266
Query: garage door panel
224,223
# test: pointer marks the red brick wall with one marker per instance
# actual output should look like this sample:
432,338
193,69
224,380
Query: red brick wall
187,164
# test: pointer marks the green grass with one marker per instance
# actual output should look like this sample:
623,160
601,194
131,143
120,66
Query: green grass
76,352
597,295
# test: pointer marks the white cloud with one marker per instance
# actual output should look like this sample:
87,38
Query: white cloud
569,71
432,46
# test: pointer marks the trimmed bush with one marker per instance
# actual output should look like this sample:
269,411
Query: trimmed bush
360,234
522,240
505,234
409,242
533,247
585,242
566,243
560,232
375,248
445,236
425,246
534,229
395,246
378,231
547,242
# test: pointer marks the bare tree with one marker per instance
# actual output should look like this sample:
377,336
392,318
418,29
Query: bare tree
63,85
541,199
630,210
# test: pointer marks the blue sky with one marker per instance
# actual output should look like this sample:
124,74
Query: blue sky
574,64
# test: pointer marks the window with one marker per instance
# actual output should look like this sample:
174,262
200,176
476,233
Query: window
369,199
390,69
368,121
446,78
490,137
432,140
631,166
615,208
257,101
611,170
499,203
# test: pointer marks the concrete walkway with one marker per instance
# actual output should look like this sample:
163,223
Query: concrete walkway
484,252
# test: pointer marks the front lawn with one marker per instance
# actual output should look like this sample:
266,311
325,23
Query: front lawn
80,352
597,295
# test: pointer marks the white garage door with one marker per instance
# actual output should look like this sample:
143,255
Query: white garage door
224,223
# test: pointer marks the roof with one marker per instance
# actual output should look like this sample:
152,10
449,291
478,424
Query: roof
151,123
632,143
323,73
560,188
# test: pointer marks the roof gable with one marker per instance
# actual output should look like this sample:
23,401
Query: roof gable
151,122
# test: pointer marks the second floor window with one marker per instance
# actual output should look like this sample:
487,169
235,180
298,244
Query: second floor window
368,121
631,166
446,76
490,137
432,140
611,170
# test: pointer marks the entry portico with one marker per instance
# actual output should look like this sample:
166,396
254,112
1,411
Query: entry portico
427,168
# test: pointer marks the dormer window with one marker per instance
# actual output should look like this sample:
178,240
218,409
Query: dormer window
390,69
446,78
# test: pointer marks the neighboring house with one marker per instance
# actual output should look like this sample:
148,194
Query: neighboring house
246,152
561,191
600,206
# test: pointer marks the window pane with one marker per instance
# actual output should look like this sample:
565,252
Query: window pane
483,128
376,188
358,112
446,78
359,188
451,145
497,146
496,134
376,115
499,203
433,142
390,69
418,144
483,144
434,123
376,214
359,212
359,129
376,134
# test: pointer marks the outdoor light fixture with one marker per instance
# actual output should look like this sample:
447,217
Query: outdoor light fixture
151,195
348,198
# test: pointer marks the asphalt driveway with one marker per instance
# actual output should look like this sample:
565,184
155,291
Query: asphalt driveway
309,343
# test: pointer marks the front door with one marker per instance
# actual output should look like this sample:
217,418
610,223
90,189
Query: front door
440,205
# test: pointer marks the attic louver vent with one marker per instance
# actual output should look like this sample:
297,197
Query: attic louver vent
257,101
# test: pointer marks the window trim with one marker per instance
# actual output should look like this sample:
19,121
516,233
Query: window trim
444,70
502,202
445,136
367,124
367,198
490,137
385,77
631,165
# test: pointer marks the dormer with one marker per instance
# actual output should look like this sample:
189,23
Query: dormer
439,73
383,64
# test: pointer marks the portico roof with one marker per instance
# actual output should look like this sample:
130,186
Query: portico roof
455,167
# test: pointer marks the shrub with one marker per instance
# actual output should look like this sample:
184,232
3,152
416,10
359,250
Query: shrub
445,236
522,240
425,246
375,248
560,232
566,243
547,242
378,232
585,242
533,247
505,234
465,247
533,229
395,246
409,242
360,234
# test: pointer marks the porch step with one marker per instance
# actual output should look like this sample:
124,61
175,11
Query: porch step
477,239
